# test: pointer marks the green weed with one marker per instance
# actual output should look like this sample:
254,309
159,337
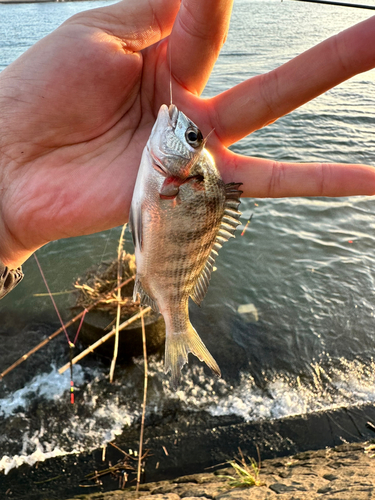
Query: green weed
247,474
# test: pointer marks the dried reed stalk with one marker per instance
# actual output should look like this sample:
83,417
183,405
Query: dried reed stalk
101,341
119,274
57,332
102,280
140,452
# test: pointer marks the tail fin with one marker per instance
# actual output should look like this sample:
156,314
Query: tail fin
177,348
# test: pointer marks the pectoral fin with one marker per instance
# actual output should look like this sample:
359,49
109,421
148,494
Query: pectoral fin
145,299
135,226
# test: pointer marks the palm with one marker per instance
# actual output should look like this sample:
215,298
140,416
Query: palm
85,101
92,115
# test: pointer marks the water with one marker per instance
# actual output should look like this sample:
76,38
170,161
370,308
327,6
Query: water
306,265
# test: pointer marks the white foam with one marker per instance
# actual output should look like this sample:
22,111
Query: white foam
106,421
50,385
39,455
350,383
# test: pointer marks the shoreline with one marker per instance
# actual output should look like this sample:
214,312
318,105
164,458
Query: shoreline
192,443
346,472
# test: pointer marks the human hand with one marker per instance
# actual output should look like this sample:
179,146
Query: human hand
78,107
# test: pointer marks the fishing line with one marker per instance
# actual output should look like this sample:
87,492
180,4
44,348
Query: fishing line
70,343
169,48
340,4
80,326
106,245
53,300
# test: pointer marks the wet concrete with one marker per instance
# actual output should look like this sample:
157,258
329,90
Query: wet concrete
187,443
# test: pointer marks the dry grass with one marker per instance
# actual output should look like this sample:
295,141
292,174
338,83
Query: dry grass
101,282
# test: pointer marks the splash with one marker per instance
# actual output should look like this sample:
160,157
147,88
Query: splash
104,410
346,384
49,386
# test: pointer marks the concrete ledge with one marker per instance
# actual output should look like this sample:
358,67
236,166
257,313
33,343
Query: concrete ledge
187,444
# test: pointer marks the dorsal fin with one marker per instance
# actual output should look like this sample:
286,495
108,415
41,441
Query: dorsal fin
229,222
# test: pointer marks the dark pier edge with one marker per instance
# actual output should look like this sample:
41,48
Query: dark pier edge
191,449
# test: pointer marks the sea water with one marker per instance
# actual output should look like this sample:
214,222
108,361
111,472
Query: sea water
304,268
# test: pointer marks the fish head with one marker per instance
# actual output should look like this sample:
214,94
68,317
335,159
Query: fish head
176,144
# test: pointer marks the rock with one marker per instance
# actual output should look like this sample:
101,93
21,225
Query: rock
163,488
281,488
211,490
167,496
325,489
130,339
348,447
285,474
197,498
196,478
330,477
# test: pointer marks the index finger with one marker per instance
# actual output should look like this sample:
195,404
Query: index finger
198,35
263,99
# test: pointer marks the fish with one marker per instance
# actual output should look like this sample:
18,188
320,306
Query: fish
181,214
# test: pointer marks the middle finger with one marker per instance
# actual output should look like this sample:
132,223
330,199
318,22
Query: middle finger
197,37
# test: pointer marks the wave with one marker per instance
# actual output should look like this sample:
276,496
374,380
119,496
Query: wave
104,410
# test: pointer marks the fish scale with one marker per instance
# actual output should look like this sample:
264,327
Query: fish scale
181,214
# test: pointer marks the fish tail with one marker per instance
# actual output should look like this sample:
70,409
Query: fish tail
177,347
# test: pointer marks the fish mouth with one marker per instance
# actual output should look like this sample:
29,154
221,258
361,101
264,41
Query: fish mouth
171,185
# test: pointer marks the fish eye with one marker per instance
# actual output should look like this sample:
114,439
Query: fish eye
194,137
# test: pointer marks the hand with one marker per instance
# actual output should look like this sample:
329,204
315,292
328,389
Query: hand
77,109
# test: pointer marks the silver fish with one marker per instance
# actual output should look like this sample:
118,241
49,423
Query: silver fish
181,214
